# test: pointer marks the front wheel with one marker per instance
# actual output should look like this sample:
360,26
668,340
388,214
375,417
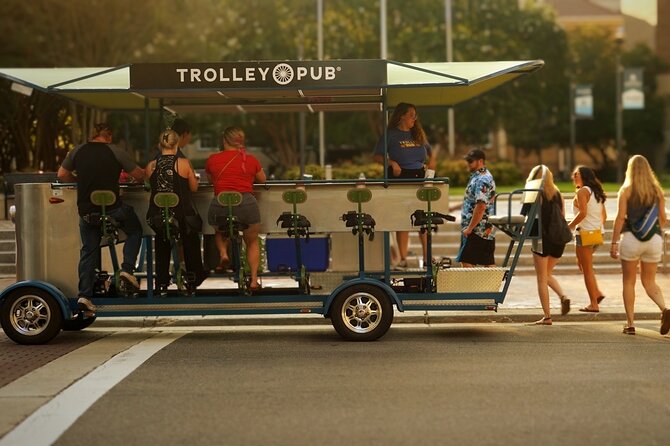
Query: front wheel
31,316
362,313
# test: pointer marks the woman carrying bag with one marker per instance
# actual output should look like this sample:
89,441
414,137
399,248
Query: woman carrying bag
589,218
555,235
636,237
170,173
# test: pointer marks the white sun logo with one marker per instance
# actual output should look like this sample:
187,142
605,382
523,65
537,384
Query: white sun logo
282,74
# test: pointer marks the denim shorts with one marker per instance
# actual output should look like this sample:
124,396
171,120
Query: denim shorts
247,211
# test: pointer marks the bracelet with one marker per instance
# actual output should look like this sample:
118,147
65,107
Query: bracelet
615,243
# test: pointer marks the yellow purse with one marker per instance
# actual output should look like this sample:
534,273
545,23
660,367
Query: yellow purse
591,237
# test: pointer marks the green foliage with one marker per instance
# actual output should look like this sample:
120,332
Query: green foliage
346,171
533,110
504,173
594,55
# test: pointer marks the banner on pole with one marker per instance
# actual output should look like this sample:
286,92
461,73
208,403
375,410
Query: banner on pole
583,101
632,96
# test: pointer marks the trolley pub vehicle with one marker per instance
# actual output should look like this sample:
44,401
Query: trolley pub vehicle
336,232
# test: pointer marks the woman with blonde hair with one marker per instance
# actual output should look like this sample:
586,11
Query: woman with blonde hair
171,173
233,169
636,237
589,216
547,253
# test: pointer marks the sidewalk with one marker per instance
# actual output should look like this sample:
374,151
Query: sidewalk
521,305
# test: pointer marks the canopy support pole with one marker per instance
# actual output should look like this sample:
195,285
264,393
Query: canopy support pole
147,130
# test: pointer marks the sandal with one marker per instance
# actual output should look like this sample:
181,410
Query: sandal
628,330
543,321
565,305
223,266
589,310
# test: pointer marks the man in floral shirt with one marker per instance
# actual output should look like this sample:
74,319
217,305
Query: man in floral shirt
478,235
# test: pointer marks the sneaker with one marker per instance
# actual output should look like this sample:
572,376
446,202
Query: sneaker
130,280
85,303
162,290
665,321
565,305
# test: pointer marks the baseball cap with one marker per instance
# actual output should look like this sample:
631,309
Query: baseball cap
475,154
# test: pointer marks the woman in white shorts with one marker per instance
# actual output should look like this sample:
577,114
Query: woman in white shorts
640,199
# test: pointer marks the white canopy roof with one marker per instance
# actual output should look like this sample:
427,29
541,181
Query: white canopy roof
233,87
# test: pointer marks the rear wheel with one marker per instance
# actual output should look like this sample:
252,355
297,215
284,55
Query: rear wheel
362,313
31,316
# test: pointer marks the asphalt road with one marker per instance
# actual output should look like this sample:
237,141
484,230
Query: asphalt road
571,383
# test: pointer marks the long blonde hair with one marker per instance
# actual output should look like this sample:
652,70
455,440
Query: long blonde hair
645,189
549,190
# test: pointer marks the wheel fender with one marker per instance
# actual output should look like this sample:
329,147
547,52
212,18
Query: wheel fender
45,286
376,283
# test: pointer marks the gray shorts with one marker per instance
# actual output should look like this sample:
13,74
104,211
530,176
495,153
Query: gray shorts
246,212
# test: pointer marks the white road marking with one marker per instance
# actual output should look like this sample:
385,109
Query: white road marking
50,421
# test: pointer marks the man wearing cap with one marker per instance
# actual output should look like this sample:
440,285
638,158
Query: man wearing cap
98,164
477,234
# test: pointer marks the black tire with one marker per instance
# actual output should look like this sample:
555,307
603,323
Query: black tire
361,313
77,324
31,316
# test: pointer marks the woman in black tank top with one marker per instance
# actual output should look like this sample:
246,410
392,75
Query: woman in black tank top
166,174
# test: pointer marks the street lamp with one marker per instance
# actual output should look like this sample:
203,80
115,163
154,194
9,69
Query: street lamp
618,40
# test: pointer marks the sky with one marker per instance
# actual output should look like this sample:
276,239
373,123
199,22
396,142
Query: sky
642,9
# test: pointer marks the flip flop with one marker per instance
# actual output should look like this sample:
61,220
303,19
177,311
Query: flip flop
589,310
543,321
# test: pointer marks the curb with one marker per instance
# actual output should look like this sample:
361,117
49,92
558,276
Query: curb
316,320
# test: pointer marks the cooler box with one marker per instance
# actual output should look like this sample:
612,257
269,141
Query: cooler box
281,253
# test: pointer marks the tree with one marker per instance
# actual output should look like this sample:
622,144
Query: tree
594,62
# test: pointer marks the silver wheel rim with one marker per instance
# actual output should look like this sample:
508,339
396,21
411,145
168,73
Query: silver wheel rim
361,312
30,315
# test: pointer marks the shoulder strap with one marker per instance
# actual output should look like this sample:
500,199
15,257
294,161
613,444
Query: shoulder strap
226,166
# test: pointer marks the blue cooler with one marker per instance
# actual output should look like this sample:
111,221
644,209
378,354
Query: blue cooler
281,255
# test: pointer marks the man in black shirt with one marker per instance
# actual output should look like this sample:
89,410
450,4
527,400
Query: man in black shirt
97,165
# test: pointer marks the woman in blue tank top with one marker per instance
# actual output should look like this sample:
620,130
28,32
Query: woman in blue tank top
640,197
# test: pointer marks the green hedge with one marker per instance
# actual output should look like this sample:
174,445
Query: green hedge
343,172
504,173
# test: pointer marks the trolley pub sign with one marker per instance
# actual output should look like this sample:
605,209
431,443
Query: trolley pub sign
259,74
